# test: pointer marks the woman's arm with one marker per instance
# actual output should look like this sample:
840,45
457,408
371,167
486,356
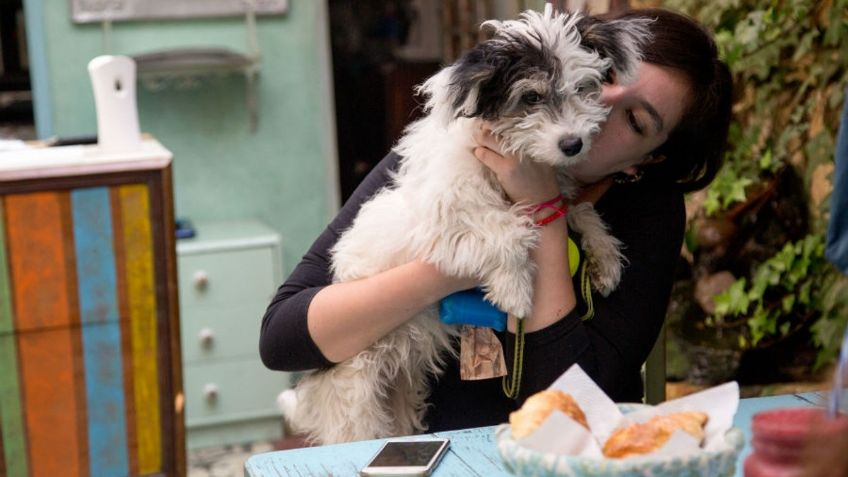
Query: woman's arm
553,290
312,323
345,318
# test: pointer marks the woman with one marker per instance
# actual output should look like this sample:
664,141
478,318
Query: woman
664,136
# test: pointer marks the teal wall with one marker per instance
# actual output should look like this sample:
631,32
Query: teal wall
284,174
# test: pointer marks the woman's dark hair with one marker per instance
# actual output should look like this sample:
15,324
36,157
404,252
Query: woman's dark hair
694,151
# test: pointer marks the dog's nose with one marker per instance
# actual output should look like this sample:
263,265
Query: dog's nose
571,145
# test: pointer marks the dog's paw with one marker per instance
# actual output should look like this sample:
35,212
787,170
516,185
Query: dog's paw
517,308
605,273
287,403
512,300
603,251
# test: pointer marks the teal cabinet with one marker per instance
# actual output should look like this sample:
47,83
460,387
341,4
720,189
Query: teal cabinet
227,275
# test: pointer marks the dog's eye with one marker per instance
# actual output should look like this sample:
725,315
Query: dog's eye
532,97
587,87
609,78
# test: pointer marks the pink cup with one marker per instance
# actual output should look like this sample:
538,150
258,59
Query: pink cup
790,442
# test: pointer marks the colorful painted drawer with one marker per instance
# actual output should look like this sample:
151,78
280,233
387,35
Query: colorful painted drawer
90,376
227,276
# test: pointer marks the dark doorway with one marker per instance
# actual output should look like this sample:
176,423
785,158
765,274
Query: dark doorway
374,77
16,114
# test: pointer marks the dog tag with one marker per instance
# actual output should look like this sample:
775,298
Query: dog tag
480,354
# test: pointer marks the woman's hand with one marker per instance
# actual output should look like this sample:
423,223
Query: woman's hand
524,181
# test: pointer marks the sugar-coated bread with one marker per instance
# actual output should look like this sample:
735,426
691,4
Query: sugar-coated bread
539,406
652,434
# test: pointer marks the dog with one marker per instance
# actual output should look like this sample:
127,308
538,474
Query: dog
536,82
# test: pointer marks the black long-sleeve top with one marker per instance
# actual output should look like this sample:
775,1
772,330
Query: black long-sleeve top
610,347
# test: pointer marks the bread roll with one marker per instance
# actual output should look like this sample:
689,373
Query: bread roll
539,406
651,435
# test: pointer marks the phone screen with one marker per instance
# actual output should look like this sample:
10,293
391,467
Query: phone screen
402,454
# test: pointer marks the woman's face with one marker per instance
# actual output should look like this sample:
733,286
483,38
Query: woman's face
642,116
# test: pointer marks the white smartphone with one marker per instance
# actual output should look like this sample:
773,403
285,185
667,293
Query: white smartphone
406,457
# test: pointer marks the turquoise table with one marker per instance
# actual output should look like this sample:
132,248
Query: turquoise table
472,451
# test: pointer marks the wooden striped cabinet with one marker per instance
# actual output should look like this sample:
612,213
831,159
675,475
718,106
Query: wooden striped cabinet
90,368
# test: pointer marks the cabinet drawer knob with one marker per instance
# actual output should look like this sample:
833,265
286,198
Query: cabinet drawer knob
206,337
210,392
201,280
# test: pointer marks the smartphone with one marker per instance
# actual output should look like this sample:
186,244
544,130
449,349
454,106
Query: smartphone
398,457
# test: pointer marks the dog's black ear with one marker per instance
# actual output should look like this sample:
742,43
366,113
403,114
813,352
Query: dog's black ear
471,80
481,79
619,40
459,89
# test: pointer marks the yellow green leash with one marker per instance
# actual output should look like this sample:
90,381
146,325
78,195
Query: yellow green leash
586,291
512,386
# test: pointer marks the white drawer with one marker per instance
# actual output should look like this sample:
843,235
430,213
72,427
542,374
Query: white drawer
223,278
231,391
230,331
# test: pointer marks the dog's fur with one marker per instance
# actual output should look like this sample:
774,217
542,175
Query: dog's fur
537,83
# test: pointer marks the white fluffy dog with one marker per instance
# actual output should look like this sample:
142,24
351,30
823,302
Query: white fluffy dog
537,83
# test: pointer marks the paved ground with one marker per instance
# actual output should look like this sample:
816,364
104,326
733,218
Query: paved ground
227,461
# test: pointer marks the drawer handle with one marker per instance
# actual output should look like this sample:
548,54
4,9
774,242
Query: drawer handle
201,280
210,392
206,337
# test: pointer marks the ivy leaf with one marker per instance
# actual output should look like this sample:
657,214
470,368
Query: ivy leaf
787,303
737,191
690,239
805,45
783,260
767,161
761,281
827,334
758,324
722,307
748,31
804,293
711,203
730,50
733,301
798,271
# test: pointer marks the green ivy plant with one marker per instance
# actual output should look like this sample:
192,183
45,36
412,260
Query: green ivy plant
792,288
780,296
789,59
727,189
